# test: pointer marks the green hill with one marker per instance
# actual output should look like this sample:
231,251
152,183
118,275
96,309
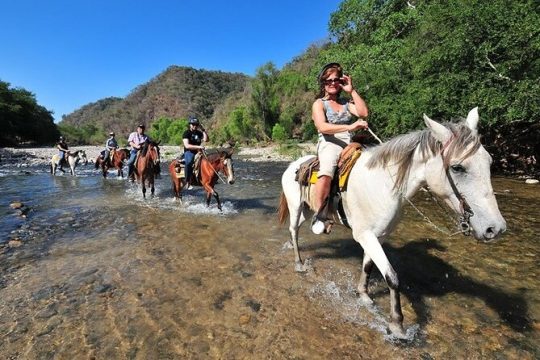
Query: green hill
176,93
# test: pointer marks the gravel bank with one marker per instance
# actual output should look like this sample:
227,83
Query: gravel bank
43,155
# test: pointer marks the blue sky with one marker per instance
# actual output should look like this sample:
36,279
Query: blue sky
72,52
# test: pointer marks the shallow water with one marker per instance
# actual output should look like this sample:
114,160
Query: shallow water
95,271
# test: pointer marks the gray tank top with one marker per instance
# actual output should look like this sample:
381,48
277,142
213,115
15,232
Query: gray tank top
342,117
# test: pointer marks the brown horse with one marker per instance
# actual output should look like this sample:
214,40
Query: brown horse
147,166
117,162
209,168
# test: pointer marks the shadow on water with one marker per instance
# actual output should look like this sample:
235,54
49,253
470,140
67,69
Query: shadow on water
423,275
255,204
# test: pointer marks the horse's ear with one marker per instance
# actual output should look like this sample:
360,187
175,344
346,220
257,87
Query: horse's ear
439,132
472,120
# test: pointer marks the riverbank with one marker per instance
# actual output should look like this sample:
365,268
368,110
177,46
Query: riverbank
25,157
43,155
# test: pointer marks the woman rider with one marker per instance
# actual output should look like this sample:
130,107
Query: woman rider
333,117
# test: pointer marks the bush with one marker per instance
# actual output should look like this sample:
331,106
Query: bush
278,133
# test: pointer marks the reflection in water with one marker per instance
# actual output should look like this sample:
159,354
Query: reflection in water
102,273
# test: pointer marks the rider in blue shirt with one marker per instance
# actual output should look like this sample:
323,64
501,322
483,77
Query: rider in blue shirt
110,145
62,151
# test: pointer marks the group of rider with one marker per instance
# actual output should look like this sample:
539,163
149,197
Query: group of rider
192,139
333,116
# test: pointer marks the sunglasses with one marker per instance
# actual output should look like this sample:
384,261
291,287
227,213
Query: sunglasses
333,81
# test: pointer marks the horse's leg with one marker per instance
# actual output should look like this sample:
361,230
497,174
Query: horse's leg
71,167
216,195
209,187
367,266
373,249
152,189
295,219
143,186
176,187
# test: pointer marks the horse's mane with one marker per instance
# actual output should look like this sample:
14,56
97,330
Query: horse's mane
147,145
401,149
214,154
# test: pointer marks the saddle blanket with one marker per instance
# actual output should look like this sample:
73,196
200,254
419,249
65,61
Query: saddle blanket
308,171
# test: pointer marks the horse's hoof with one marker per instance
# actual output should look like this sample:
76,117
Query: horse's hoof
365,299
301,268
396,329
287,246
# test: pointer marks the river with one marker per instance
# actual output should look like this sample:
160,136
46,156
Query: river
93,271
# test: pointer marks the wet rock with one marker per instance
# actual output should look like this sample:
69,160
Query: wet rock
23,212
531,181
16,205
15,243
221,298
201,347
48,312
245,257
44,293
102,288
255,306
244,319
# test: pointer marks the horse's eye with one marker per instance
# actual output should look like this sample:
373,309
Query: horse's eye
458,168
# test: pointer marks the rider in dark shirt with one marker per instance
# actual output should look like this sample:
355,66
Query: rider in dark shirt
193,137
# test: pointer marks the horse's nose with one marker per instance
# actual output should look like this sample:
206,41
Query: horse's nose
231,182
493,231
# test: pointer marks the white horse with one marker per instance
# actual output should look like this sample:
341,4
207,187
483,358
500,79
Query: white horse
448,159
72,158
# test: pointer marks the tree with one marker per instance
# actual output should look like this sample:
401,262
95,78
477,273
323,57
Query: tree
265,104
23,120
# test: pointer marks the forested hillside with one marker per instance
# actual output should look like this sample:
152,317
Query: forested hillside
176,93
22,120
412,57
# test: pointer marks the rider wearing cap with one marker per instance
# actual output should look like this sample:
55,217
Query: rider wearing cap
193,137
62,150
110,145
136,140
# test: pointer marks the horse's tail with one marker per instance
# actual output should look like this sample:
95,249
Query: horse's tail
96,164
283,210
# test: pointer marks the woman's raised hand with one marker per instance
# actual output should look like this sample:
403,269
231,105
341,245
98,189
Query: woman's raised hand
347,84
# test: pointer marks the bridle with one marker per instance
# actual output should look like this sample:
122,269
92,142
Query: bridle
223,166
466,211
